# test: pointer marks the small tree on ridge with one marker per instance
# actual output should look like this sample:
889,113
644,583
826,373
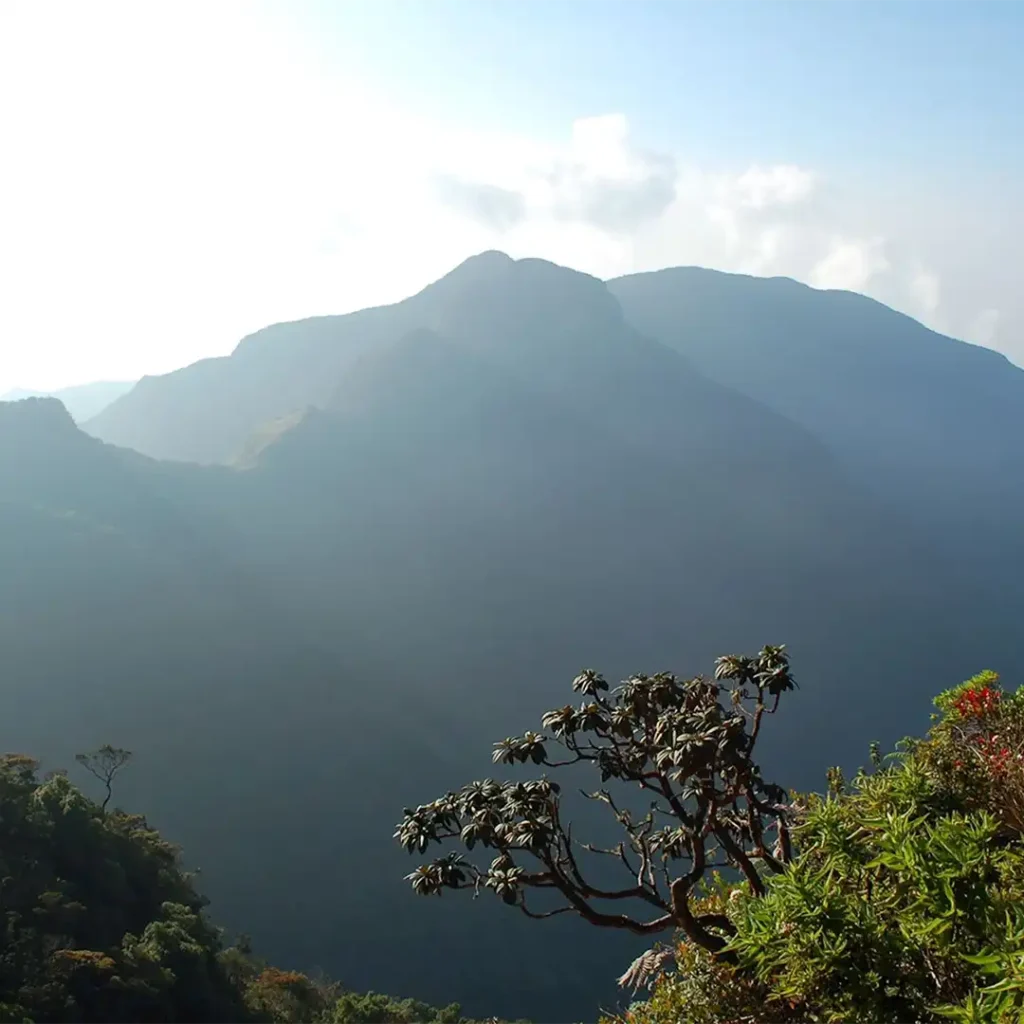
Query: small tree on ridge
104,764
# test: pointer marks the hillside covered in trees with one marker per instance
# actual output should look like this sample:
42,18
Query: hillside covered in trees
102,924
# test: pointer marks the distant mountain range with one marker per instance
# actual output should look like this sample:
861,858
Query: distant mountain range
342,561
84,401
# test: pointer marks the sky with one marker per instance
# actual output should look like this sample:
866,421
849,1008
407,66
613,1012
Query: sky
176,175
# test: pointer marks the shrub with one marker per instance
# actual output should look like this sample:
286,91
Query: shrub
903,899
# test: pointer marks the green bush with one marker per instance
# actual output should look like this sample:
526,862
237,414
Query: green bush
373,1008
903,901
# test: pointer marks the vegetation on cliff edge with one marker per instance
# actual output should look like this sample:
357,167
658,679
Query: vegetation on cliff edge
894,897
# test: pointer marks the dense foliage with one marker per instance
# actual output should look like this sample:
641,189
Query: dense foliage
374,1008
100,923
903,902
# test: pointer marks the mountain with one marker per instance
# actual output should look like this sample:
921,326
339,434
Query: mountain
417,524
83,401
929,425
125,612
915,415
288,367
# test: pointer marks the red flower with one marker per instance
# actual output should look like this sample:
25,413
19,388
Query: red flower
974,703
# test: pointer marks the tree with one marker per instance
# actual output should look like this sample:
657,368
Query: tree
104,764
686,745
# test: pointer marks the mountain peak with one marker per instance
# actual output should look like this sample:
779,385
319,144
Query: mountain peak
38,415
493,280
36,428
82,401
483,267
487,258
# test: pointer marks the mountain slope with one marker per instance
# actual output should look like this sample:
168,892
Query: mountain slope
207,412
126,616
914,414
929,425
83,402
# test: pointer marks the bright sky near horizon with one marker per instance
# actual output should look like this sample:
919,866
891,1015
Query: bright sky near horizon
177,174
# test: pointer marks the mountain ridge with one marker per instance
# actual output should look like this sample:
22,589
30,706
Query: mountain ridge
163,410
83,401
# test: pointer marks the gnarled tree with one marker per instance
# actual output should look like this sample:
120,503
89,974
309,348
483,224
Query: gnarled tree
686,744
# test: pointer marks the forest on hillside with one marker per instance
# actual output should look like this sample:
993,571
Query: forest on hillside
102,923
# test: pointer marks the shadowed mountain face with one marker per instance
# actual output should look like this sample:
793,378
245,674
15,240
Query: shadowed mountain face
927,423
930,426
447,508
83,402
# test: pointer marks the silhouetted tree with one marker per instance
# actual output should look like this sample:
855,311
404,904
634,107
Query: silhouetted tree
104,764
688,746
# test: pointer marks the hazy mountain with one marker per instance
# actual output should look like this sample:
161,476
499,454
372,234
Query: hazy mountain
918,417
930,425
438,512
288,367
277,371
83,401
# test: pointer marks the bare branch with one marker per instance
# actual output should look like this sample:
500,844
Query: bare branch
104,764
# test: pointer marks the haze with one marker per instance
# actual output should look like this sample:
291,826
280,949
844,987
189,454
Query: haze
177,175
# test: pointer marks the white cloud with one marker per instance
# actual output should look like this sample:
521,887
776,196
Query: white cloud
761,187
926,293
493,206
850,264
183,175
983,329
604,180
